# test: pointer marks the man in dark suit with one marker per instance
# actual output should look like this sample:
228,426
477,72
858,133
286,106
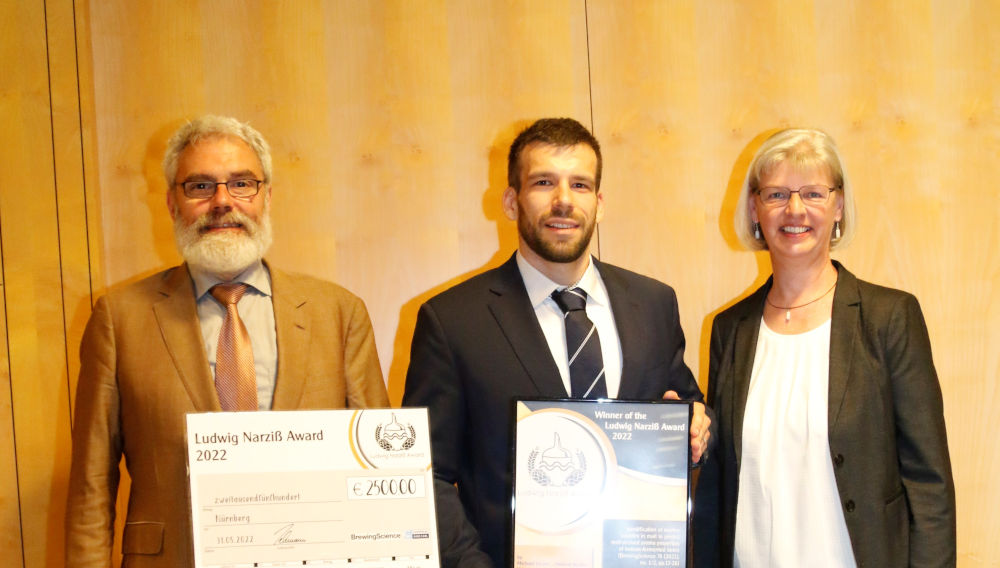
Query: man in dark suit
153,351
501,335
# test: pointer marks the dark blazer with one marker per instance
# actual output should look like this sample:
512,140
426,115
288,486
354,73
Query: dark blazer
886,429
476,347
143,368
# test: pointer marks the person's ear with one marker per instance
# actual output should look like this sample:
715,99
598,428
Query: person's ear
509,203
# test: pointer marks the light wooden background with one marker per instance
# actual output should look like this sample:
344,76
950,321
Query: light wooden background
390,122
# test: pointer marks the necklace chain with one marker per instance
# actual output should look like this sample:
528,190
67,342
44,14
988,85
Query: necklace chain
788,309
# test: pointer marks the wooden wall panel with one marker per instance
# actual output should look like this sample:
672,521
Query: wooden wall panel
909,90
19,25
73,208
34,310
74,215
10,500
10,503
390,121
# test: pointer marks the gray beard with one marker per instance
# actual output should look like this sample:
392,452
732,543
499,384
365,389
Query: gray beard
223,255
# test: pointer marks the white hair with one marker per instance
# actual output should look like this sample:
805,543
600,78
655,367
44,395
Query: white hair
210,125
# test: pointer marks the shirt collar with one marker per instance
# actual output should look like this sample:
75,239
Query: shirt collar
255,275
540,287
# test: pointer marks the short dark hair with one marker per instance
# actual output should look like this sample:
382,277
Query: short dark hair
561,132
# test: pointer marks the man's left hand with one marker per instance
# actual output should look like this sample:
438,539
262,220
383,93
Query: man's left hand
699,427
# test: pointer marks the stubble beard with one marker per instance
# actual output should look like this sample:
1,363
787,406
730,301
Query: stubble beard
562,252
226,253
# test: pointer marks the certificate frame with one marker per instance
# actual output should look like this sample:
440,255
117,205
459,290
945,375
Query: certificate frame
600,483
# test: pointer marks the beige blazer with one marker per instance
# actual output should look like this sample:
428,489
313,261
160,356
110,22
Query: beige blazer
143,367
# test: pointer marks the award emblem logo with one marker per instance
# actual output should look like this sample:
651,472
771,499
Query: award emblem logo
557,466
395,437
383,438
563,468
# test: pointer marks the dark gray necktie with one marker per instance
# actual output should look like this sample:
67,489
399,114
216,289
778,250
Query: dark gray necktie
583,346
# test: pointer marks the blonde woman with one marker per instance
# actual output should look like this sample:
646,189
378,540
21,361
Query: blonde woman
832,448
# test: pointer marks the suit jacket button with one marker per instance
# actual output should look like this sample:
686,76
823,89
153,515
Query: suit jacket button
849,506
838,460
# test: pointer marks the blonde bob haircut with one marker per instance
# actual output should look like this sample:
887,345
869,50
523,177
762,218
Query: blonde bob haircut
806,150
208,126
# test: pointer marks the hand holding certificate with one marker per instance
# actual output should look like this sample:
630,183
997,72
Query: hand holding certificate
601,483
313,488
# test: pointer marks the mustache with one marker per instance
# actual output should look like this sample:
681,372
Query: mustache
564,212
229,217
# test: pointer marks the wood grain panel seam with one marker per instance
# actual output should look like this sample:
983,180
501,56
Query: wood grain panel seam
55,196
10,394
590,96
83,163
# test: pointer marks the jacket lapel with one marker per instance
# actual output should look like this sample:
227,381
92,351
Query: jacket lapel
846,306
844,324
632,339
744,342
177,316
293,334
512,310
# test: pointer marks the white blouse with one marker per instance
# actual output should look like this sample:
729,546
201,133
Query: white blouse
788,511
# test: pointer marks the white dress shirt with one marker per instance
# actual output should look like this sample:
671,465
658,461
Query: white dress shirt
257,312
550,317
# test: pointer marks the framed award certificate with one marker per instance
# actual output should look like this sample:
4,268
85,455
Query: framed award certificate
312,488
601,484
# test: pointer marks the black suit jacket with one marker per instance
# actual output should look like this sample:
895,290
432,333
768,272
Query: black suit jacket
478,346
886,429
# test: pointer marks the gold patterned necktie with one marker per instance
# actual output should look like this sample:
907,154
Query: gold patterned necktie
235,378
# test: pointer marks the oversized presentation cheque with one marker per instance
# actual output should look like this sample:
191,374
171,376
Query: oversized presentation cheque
601,484
312,488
